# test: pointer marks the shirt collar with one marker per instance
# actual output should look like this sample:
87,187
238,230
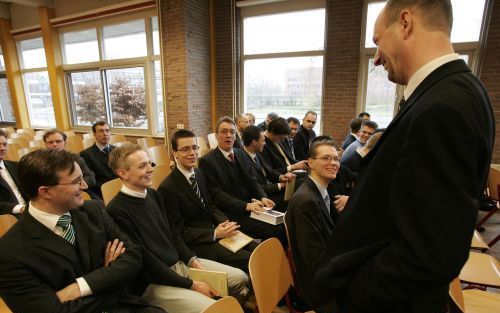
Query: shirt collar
184,171
321,188
133,193
49,220
101,146
251,154
225,153
2,165
425,71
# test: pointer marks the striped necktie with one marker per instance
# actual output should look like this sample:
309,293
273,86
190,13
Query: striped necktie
68,231
196,189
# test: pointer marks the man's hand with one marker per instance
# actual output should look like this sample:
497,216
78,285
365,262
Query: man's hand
302,165
204,288
226,229
197,264
113,251
287,177
268,202
340,202
256,207
68,293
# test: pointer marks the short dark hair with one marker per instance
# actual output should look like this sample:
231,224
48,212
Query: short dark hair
355,124
224,119
41,168
3,133
52,132
435,14
98,123
181,133
318,142
279,127
370,124
292,119
118,156
250,134
310,112
360,115
272,115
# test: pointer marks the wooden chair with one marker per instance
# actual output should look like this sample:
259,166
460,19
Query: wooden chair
202,143
159,155
70,133
37,143
88,135
74,146
472,301
122,143
493,192
6,222
3,307
212,141
224,305
160,173
22,142
203,152
87,142
10,130
27,136
478,242
40,133
146,143
86,196
23,151
110,189
29,131
38,137
12,149
74,138
117,138
481,269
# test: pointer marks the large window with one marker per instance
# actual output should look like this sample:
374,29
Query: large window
283,63
36,82
379,96
120,82
6,114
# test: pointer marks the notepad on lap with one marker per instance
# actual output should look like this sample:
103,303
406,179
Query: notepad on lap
236,241
217,280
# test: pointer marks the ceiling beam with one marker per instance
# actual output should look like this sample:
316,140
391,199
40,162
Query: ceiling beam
33,3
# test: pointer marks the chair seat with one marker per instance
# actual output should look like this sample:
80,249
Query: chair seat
478,301
481,269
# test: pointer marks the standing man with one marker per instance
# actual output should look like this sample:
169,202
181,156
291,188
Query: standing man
96,156
241,123
294,124
407,228
12,199
251,118
65,254
305,136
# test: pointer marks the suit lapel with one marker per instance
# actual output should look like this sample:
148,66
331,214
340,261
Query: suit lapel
182,183
100,155
324,210
225,165
81,224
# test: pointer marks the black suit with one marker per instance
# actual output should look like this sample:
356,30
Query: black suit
7,198
289,147
301,143
232,186
238,142
309,225
197,221
274,158
97,161
30,276
406,230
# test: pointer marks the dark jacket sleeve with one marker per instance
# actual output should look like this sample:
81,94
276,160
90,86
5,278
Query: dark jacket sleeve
88,175
301,146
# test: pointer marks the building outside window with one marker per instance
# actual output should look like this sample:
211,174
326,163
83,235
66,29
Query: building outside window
6,113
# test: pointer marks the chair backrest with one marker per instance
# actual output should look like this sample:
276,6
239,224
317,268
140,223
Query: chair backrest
160,173
159,155
12,149
87,142
70,133
37,143
22,135
110,189
493,181
202,143
117,138
86,196
481,269
38,137
146,143
6,222
40,132
22,142
270,274
203,152
3,307
478,242
9,130
74,146
456,296
88,135
28,131
224,305
75,137
212,141
23,151
121,143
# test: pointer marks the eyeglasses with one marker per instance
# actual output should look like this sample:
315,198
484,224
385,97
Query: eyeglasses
54,142
227,131
328,159
186,149
77,181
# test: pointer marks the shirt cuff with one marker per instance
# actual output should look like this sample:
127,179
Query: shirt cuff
17,208
191,260
279,186
215,238
289,168
84,287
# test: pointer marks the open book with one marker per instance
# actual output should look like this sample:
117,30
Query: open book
290,188
217,280
236,241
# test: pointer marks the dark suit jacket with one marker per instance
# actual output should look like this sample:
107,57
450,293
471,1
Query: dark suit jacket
35,263
309,225
262,125
288,147
88,175
407,228
230,192
7,198
238,142
98,163
301,143
266,176
274,158
348,140
196,221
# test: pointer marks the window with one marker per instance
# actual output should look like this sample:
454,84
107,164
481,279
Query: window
36,83
379,96
283,63
117,84
6,114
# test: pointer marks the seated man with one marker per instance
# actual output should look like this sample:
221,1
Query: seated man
354,162
354,126
305,136
65,254
96,156
200,222
56,139
294,124
275,153
233,187
140,212
368,128
271,181
12,199
308,217
241,123
270,117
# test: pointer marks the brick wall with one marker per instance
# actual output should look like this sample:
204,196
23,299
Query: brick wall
490,71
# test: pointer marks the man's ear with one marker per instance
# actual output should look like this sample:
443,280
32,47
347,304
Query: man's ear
123,174
44,192
406,19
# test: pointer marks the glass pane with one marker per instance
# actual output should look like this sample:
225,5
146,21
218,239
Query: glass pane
127,97
380,95
156,35
6,114
287,86
160,112
80,46
41,109
87,98
125,40
374,10
32,53
285,32
467,18
2,63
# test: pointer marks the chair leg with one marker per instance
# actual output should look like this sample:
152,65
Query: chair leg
485,218
491,243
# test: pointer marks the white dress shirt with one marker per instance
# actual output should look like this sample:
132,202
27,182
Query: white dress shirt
10,181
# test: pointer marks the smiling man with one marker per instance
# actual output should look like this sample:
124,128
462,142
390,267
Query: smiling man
368,128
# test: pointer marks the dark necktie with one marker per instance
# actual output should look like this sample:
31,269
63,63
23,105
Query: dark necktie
196,189
68,231
230,157
401,104
291,148
259,166
106,150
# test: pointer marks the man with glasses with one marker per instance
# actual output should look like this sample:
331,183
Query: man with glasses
305,136
368,128
200,222
73,257
309,216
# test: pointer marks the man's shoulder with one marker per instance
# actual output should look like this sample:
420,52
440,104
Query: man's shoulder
89,150
91,208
